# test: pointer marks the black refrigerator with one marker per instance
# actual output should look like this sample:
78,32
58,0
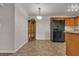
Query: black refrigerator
57,28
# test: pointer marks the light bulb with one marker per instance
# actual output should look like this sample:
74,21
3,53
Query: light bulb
72,10
39,17
76,9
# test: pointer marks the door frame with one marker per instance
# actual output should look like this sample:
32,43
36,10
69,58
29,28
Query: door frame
32,20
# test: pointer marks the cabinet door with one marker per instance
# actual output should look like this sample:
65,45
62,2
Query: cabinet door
71,22
76,21
67,22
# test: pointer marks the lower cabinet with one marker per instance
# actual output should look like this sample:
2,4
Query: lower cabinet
72,44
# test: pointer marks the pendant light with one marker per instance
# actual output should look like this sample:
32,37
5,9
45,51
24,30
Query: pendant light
39,17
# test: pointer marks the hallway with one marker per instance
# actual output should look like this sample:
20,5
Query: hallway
41,48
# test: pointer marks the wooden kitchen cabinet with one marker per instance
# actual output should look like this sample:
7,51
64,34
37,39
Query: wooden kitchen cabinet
66,21
57,18
69,22
76,21
72,44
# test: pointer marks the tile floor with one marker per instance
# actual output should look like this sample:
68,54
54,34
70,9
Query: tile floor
41,48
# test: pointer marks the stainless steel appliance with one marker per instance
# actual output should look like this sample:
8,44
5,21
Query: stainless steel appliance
57,30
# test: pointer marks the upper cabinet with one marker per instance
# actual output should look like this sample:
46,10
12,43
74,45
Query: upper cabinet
76,21
69,22
57,18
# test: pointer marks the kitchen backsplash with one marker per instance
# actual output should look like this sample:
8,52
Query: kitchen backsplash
76,28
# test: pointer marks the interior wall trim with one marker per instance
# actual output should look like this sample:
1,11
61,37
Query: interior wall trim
20,46
7,52
64,16
14,51
42,39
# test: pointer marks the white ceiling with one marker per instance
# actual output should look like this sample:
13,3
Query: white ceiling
48,9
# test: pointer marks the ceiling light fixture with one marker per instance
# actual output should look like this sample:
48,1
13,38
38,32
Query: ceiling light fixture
73,7
39,17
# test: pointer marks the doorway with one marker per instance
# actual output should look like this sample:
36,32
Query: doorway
31,30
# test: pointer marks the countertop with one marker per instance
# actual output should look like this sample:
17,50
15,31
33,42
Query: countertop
72,31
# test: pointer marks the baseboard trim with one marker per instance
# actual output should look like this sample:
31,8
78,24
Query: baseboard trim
42,39
15,49
7,52
20,46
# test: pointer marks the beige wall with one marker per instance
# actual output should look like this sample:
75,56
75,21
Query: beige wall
13,28
43,29
7,27
21,27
